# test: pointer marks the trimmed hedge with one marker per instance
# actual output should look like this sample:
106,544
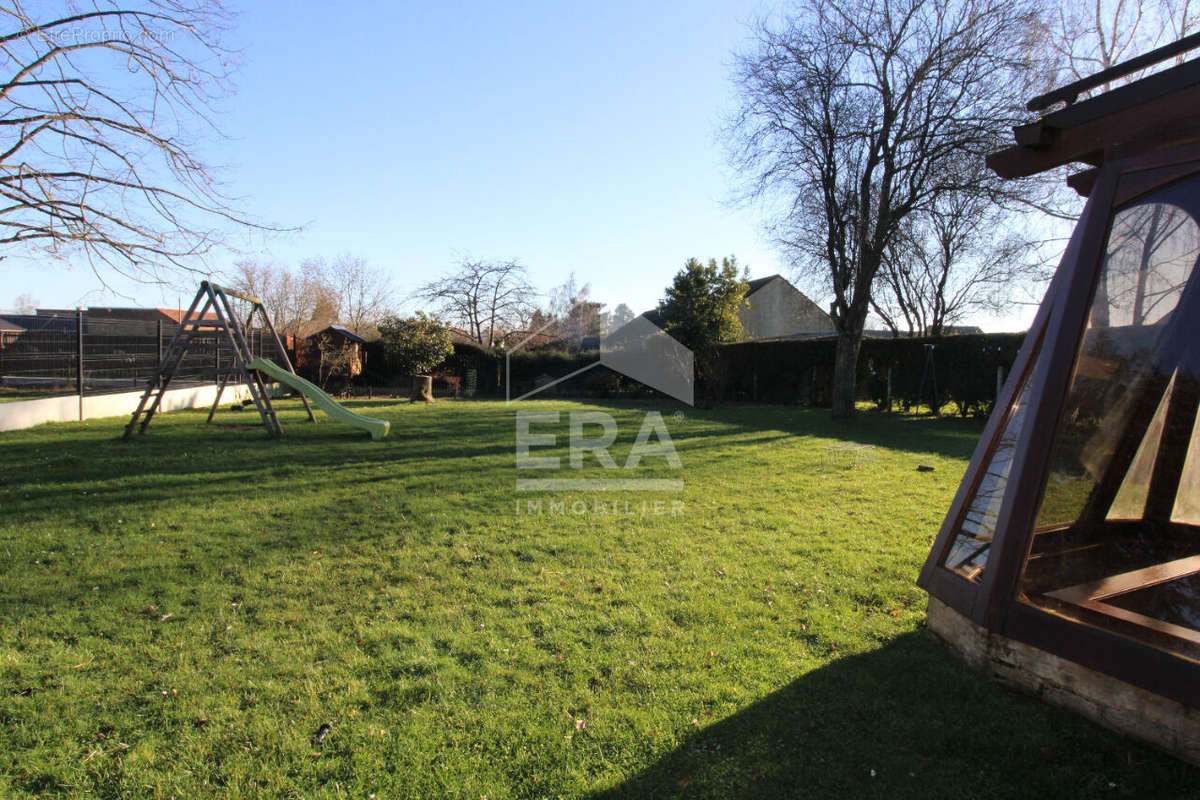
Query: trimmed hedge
798,371
801,370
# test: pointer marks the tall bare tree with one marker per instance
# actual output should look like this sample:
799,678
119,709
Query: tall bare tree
486,299
852,117
297,301
362,293
961,254
1084,38
348,291
319,301
102,105
264,281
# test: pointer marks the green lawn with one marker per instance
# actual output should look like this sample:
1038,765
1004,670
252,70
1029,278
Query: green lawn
180,616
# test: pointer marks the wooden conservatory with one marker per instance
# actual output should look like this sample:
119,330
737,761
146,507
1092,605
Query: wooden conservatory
1069,562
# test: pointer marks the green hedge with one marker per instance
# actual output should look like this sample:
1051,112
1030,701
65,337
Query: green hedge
796,371
467,357
801,370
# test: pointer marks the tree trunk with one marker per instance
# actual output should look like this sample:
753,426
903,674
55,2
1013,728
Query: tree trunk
422,388
845,373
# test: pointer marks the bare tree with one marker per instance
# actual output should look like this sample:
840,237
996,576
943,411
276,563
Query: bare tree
110,169
317,294
1085,38
963,253
321,303
363,292
1181,18
485,299
287,297
296,302
853,116
25,304
577,315
261,280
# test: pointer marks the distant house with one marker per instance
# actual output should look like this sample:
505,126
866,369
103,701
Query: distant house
9,326
960,330
29,323
777,310
10,331
774,309
331,337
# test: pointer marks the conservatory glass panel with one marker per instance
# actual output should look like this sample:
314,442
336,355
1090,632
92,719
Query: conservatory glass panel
1115,544
972,543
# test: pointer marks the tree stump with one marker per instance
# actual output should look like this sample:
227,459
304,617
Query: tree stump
422,388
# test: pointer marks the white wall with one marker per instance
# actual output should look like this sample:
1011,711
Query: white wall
779,310
27,413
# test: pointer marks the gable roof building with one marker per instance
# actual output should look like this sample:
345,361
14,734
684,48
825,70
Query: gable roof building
775,309
9,326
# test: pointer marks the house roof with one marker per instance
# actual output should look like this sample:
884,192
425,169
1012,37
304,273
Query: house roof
176,314
654,315
37,322
349,334
758,283
9,325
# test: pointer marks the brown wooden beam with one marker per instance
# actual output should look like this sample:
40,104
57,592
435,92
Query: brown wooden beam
1067,94
1166,120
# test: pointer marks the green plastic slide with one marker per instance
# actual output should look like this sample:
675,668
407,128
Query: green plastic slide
378,428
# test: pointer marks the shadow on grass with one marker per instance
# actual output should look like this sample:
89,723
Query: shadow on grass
907,720
469,431
234,457
950,437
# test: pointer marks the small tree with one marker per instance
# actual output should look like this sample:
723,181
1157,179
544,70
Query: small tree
700,310
415,346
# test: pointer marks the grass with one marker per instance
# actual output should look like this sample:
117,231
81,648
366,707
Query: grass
181,615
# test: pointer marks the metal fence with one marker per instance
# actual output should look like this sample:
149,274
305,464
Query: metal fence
73,353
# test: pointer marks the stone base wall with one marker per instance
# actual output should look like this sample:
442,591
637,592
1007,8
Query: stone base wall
70,408
1116,705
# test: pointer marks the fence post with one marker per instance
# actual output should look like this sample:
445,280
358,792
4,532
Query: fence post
158,345
79,358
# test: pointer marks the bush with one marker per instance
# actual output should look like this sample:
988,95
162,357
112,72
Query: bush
416,345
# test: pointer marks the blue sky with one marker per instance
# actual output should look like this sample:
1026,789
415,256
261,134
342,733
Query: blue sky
575,137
